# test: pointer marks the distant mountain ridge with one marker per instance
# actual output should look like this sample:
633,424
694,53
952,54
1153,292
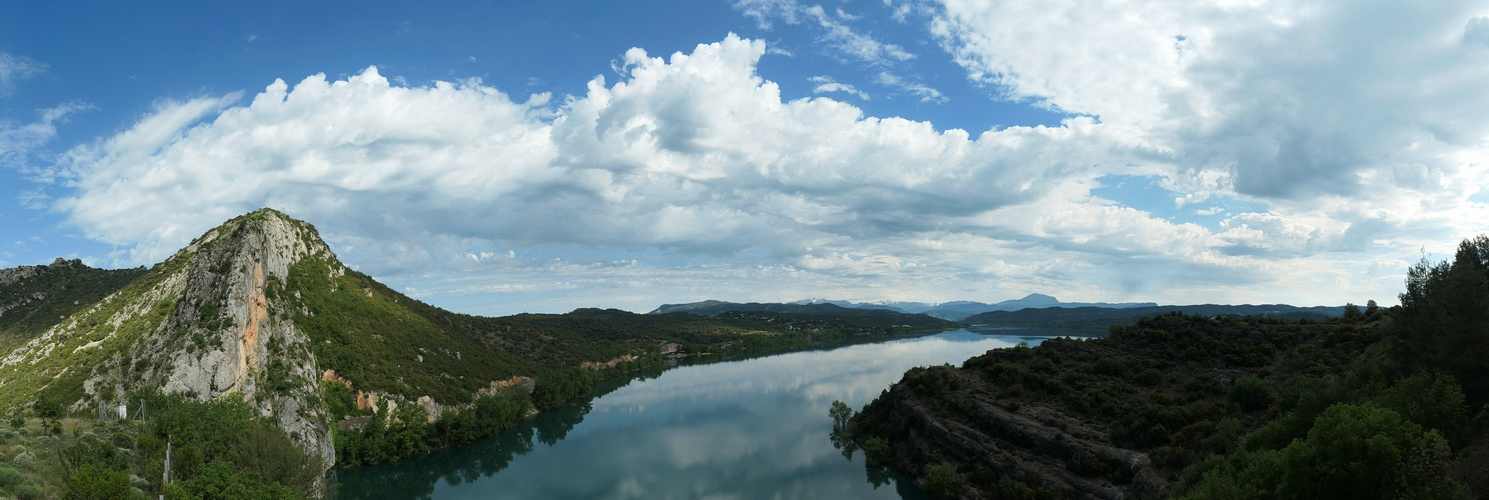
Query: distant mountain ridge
951,311
1099,318
716,307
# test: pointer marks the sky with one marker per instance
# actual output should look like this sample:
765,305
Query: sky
505,157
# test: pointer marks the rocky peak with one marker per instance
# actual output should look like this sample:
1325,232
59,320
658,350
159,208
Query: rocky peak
228,333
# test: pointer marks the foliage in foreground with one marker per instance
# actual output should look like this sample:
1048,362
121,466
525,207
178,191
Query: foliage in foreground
219,450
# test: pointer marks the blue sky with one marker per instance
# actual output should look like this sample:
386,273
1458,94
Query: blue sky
540,156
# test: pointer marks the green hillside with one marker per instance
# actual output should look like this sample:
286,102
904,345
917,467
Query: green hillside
33,298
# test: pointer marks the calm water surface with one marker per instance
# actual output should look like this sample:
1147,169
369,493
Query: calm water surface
755,428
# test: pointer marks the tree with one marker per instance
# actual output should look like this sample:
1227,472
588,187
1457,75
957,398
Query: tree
1351,311
50,412
1445,315
943,481
876,451
1252,394
840,413
1365,451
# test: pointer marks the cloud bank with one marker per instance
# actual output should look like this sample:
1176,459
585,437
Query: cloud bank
691,177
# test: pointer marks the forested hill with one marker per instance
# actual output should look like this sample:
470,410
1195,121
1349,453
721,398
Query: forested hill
1099,318
1374,404
33,298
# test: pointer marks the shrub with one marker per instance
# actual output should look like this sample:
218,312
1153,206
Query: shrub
1429,399
1088,464
943,481
10,477
90,483
1149,377
876,451
1252,394
1365,451
26,491
25,461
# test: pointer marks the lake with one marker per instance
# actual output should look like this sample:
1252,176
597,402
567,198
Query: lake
752,428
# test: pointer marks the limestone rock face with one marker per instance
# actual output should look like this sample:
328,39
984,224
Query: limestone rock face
227,285
227,335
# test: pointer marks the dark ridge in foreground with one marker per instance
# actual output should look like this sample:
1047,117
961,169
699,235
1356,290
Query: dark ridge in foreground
1109,418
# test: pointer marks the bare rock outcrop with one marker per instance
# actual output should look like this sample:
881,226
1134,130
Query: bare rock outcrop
208,324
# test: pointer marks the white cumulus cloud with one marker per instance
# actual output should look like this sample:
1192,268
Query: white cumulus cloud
690,176
693,154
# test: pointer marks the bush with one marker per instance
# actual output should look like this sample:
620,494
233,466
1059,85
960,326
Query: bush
1088,464
90,483
558,386
1365,451
876,451
10,477
1149,377
1243,475
943,481
1252,394
1429,399
27,491
212,437
25,461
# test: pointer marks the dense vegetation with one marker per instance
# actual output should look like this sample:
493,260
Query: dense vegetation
1376,404
219,450
407,432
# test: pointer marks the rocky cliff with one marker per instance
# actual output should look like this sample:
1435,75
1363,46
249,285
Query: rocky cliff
204,324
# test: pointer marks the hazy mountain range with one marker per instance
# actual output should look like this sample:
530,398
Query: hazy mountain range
1034,311
952,311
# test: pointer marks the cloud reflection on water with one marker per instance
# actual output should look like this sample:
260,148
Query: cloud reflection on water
749,429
